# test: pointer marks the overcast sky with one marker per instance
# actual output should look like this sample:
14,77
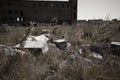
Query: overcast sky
98,9
90,9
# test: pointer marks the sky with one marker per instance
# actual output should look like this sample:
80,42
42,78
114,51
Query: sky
98,9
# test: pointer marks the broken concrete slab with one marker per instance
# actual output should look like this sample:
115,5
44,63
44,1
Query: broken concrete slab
35,43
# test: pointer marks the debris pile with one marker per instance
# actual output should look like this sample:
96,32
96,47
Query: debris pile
39,43
62,44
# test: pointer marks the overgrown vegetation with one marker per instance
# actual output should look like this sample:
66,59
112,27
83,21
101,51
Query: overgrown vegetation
63,65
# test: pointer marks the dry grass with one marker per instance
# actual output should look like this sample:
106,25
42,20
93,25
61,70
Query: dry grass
57,64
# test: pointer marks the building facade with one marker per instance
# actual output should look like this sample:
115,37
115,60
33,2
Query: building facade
38,11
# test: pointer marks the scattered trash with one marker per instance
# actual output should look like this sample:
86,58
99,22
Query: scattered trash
95,55
99,48
115,48
45,31
94,49
115,43
9,51
62,44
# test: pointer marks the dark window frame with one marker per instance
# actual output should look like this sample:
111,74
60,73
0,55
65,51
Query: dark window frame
57,4
63,5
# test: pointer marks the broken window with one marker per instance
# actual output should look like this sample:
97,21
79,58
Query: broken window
57,5
63,5
51,4
22,19
18,19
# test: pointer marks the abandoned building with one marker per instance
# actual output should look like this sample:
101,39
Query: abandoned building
12,11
